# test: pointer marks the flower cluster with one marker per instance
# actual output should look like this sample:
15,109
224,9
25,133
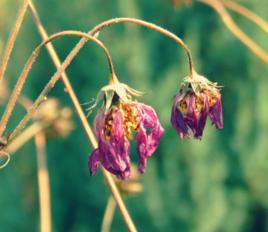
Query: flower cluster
120,119
197,99
114,126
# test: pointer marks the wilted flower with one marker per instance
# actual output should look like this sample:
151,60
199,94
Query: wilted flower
114,125
196,99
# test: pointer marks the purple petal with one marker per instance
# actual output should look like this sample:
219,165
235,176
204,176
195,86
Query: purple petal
113,153
202,118
177,120
191,117
148,134
215,114
93,162
194,119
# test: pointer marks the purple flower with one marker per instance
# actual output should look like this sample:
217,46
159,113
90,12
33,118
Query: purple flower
197,99
114,127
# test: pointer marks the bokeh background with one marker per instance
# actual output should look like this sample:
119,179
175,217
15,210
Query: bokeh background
216,184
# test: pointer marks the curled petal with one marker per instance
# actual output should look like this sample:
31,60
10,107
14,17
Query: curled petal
177,120
201,119
113,152
191,116
201,123
93,162
215,114
148,134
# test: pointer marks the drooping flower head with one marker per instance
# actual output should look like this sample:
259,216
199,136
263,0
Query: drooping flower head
116,123
196,99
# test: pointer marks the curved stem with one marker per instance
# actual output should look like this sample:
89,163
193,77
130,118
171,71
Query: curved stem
15,94
231,25
108,215
246,13
12,38
151,26
3,153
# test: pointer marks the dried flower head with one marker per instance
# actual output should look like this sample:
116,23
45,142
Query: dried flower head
57,118
115,123
196,99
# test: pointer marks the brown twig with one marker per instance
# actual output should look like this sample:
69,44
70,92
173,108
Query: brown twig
43,183
260,22
20,83
231,25
12,38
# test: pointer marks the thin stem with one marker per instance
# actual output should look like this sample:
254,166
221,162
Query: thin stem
246,13
16,92
12,38
108,215
43,183
228,21
3,153
25,136
83,119
151,26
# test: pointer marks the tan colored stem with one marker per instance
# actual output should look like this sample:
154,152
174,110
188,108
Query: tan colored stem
82,117
20,83
231,25
151,26
108,215
25,136
246,13
43,183
12,38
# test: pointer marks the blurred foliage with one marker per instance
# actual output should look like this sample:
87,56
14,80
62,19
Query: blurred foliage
217,184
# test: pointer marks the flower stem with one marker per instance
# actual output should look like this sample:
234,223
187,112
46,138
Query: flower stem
12,38
151,26
16,92
43,183
108,215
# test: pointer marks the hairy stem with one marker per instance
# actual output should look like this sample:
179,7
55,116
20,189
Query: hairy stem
108,215
231,25
12,38
43,183
20,83
151,26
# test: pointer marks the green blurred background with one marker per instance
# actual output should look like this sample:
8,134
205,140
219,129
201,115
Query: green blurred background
217,184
